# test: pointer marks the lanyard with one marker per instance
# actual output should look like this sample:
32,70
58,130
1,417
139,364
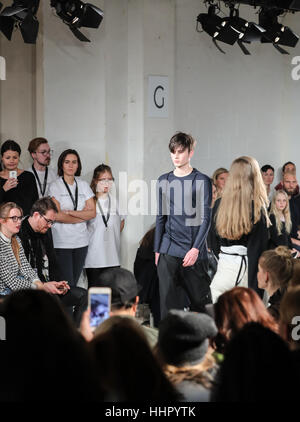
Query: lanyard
75,201
105,220
42,189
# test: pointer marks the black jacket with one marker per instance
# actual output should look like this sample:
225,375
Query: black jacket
36,245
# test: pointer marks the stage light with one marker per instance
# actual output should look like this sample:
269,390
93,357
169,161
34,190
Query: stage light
77,14
21,14
217,27
276,33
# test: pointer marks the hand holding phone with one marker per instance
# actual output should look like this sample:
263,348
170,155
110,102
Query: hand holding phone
13,174
99,303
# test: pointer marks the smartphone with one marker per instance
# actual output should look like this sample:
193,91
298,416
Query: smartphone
99,302
13,174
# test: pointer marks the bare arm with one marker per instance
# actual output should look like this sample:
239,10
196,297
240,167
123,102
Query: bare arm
122,225
63,217
87,213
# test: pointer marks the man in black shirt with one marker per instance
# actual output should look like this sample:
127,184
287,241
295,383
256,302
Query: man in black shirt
290,187
37,242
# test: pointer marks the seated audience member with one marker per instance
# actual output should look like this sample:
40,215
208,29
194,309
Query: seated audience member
288,167
183,347
46,358
290,187
40,152
275,269
20,189
36,238
257,367
127,368
124,300
267,173
219,180
15,271
280,218
295,279
145,272
234,309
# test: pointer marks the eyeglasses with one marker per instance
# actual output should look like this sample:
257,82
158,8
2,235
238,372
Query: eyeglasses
16,218
44,153
49,222
105,180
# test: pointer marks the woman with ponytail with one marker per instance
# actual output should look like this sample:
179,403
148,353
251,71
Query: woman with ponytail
275,270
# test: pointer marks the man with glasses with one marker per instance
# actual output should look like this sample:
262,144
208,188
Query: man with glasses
40,152
37,242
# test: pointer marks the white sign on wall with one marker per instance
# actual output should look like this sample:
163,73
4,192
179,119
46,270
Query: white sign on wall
158,96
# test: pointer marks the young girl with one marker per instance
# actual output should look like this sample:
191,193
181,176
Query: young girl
241,225
105,228
275,269
281,221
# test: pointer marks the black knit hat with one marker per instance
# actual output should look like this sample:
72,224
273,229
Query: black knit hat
122,283
183,337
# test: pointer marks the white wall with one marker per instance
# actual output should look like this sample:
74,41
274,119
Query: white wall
93,97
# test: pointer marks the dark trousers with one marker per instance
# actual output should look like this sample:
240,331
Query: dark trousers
180,286
94,276
75,302
71,262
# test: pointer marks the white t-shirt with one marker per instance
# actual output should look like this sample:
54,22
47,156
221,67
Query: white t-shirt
52,176
104,243
70,236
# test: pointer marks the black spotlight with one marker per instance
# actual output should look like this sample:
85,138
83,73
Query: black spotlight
77,14
276,33
248,31
21,14
217,27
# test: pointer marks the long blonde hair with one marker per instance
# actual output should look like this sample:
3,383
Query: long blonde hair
286,213
4,212
244,187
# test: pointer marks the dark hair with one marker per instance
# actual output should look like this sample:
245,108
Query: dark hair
287,163
99,169
62,158
148,239
41,338
10,145
266,167
123,355
35,143
256,364
43,205
183,140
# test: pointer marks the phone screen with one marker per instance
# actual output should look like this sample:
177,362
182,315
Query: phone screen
100,308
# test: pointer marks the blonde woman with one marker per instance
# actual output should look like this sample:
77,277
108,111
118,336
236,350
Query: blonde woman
15,271
280,218
219,180
242,226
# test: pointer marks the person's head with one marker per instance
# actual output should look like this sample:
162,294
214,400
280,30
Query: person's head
10,154
148,239
11,216
244,188
69,163
40,151
289,182
219,178
184,337
295,279
257,368
234,309
46,353
102,179
275,269
43,214
280,206
181,147
289,323
128,369
289,166
124,289
267,172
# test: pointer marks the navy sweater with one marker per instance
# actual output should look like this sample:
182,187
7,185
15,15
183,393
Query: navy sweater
184,214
